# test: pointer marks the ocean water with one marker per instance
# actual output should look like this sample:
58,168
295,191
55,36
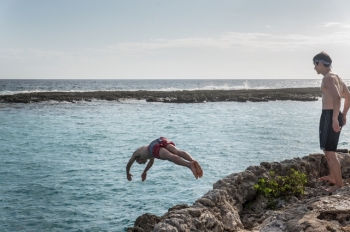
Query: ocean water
63,164
23,86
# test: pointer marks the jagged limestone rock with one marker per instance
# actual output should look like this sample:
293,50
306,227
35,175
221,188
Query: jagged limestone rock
232,204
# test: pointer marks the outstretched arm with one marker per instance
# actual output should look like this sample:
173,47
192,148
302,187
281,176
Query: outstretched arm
346,95
149,165
128,166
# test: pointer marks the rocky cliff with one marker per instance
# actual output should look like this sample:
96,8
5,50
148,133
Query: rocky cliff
233,205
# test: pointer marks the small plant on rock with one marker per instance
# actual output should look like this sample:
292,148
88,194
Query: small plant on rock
275,186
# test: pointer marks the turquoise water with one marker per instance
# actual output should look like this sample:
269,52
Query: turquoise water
63,164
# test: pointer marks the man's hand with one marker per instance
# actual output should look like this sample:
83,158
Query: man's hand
129,176
336,126
144,176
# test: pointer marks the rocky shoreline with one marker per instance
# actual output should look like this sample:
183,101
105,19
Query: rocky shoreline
194,96
232,204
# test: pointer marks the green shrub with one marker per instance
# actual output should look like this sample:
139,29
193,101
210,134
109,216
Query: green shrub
275,186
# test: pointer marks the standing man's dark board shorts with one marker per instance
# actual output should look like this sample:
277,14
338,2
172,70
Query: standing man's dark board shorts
328,137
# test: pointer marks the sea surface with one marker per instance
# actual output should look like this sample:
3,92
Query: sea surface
63,164
24,86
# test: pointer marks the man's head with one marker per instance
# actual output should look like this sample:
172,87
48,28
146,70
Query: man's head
140,160
322,62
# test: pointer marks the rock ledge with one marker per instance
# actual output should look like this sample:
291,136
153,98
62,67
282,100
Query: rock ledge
196,96
232,204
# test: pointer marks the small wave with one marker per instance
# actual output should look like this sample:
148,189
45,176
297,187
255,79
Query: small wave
174,86
213,87
210,87
26,91
44,91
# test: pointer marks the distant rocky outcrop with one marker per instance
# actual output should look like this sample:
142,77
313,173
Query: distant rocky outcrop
232,204
195,96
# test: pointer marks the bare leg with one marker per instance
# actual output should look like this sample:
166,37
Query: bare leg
186,156
330,178
334,169
167,155
178,152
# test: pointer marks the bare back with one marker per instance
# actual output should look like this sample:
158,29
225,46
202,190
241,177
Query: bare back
143,153
327,99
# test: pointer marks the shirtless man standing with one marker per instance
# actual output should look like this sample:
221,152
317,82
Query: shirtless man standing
332,119
164,149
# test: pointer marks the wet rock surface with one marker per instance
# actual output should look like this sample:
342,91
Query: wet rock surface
232,204
197,96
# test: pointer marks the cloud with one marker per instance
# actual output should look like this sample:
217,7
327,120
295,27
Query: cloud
235,41
228,42
29,53
335,24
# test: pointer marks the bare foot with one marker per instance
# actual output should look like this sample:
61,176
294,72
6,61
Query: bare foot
198,168
193,169
332,189
327,178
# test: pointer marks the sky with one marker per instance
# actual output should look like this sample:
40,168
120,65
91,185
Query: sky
162,39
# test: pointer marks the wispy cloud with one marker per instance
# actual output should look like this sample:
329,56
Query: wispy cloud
236,41
29,53
228,42
335,24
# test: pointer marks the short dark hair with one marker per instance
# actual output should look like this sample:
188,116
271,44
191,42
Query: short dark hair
324,58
